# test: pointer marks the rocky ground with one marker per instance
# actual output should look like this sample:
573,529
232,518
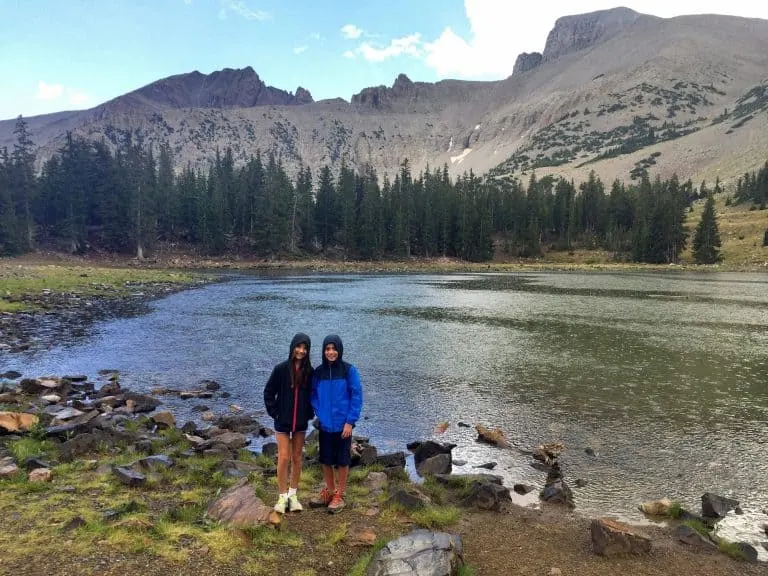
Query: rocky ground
95,478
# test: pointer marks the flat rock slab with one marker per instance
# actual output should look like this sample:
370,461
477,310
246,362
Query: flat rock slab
239,506
420,553
612,538
128,476
17,421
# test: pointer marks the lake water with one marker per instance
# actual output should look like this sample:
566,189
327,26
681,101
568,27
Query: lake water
663,375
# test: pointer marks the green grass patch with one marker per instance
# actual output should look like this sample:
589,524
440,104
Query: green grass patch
436,491
362,563
267,536
27,447
732,549
698,526
675,510
335,536
466,570
436,517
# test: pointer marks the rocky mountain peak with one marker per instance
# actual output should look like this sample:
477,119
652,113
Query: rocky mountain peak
573,33
381,97
227,88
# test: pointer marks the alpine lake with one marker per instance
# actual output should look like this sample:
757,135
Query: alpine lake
657,383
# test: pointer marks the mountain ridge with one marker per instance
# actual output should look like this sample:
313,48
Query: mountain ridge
648,84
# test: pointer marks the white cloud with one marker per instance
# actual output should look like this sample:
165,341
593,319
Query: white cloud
407,45
242,9
48,91
300,49
187,2
351,32
349,54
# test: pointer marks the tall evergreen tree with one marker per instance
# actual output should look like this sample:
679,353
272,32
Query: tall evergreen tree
706,242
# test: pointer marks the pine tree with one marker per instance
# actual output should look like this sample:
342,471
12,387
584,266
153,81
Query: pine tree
706,242
23,182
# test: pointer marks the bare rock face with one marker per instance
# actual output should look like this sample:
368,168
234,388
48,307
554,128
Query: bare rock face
302,96
526,62
574,33
381,97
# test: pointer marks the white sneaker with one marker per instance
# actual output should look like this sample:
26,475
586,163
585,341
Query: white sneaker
293,503
282,503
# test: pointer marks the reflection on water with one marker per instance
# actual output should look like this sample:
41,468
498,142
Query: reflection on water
664,376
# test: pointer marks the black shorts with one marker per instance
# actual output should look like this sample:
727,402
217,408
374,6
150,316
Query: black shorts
335,450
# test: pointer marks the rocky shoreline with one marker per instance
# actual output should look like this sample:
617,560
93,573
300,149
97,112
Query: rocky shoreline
48,317
130,470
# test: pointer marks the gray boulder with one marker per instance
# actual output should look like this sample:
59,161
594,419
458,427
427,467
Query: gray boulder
714,506
438,464
420,553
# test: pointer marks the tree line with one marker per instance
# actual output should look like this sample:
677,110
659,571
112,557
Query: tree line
127,200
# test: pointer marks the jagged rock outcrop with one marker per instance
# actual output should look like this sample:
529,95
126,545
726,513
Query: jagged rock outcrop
527,61
381,97
574,33
227,88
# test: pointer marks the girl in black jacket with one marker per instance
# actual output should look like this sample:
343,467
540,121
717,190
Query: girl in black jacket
287,398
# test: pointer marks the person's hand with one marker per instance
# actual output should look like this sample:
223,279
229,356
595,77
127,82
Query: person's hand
347,432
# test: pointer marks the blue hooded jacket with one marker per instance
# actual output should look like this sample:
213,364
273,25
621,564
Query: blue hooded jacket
337,396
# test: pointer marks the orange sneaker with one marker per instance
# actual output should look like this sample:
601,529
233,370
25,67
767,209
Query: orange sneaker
336,504
322,500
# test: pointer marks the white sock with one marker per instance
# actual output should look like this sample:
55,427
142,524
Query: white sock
285,495
291,492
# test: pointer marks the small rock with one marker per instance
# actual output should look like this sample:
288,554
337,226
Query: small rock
208,416
164,419
610,538
366,537
689,536
375,481
555,572
17,421
128,476
488,465
748,551
459,462
10,375
156,462
51,398
210,385
494,437
409,498
33,463
463,425
523,489
393,460
76,378
487,496
269,449
40,475
580,483
189,428
8,470
438,464
589,451
73,524
239,506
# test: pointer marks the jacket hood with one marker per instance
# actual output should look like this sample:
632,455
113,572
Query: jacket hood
336,341
300,338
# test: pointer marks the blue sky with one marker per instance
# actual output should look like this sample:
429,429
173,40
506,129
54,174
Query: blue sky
72,54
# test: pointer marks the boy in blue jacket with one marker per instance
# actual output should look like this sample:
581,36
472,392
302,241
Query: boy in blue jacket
337,399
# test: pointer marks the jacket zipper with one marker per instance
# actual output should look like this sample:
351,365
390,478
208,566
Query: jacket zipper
295,406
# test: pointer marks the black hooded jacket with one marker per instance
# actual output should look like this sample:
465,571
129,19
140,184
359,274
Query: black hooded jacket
290,406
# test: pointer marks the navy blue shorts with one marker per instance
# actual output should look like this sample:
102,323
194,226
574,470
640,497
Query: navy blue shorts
335,450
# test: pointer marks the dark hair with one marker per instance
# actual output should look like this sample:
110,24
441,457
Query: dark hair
304,375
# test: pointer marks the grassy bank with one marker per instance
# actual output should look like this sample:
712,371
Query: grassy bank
25,283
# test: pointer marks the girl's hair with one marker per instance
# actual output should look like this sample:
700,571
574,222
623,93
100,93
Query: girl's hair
305,371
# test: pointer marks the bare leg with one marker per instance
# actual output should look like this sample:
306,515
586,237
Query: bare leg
343,473
283,459
297,453
330,483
